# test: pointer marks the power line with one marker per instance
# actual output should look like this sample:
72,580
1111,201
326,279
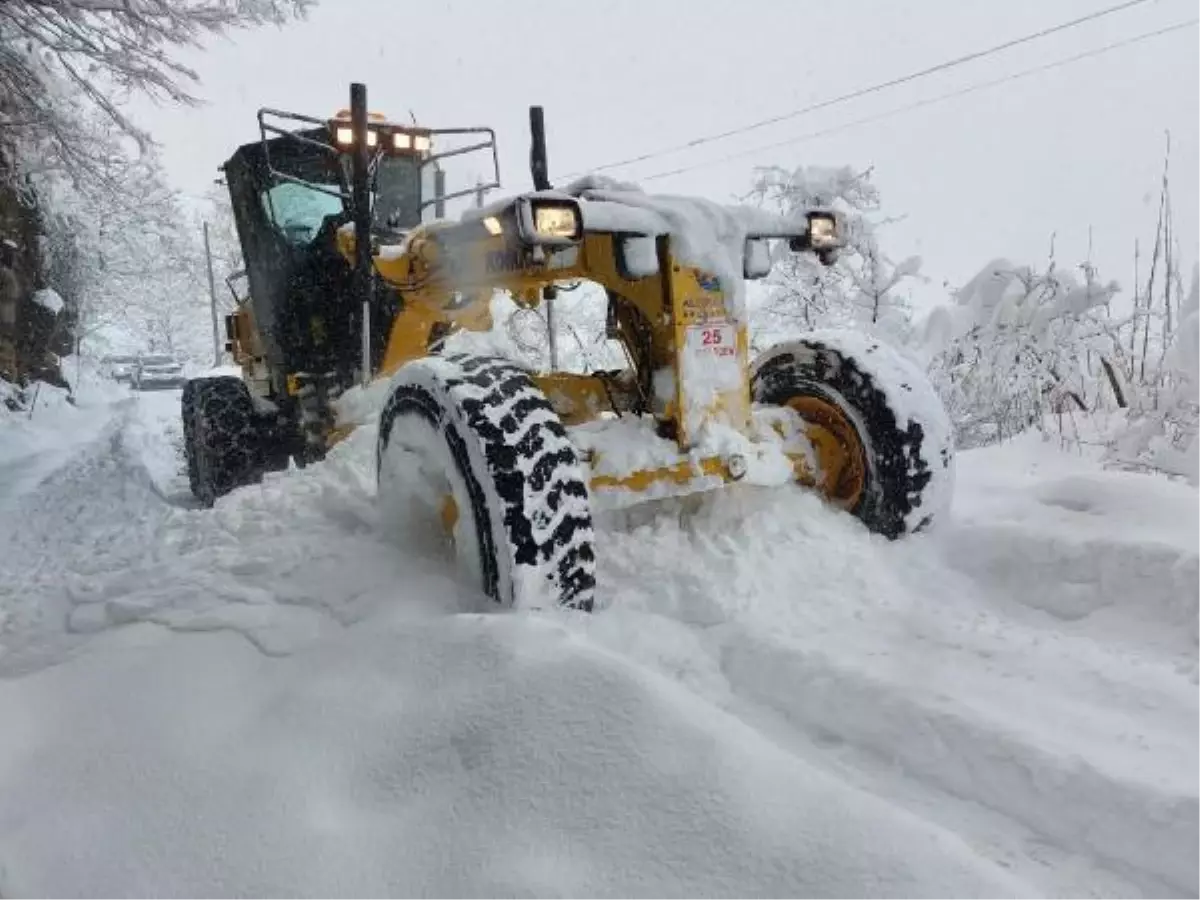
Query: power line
1087,54
872,89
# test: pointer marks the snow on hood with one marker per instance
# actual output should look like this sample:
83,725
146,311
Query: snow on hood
707,235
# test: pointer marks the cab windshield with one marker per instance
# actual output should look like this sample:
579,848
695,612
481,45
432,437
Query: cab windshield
397,200
298,211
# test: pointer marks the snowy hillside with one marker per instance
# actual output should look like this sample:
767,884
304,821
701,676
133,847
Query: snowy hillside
273,697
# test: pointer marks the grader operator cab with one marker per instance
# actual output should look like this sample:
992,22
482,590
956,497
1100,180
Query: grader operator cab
311,325
507,464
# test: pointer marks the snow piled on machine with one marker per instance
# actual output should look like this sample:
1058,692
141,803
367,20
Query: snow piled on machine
707,235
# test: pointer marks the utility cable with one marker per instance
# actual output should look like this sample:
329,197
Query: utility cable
1088,54
862,92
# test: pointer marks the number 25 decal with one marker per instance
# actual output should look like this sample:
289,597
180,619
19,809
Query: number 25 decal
711,337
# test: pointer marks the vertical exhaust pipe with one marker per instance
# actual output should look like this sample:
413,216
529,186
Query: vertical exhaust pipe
539,168
360,194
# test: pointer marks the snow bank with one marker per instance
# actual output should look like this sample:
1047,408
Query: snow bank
469,756
45,427
885,660
1115,553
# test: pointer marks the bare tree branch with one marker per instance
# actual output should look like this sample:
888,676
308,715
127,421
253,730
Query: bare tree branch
62,62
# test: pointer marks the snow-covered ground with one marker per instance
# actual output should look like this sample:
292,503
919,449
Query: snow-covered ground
275,697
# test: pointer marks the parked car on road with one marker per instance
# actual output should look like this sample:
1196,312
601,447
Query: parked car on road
158,372
118,368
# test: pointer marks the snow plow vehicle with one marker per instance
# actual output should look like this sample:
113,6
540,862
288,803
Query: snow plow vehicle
505,463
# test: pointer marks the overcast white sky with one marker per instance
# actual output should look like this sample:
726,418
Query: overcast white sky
989,174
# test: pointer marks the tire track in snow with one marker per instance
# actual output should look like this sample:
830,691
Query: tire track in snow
104,541
95,515
281,563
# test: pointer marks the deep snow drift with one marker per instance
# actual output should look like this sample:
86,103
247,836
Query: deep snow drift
770,701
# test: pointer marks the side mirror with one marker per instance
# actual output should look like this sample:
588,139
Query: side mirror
756,258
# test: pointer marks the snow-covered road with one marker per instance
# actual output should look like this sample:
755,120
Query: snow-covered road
274,697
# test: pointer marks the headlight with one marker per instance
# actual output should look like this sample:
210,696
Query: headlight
493,226
345,136
548,220
823,231
556,222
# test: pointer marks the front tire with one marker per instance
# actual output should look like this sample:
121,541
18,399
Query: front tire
903,433
475,436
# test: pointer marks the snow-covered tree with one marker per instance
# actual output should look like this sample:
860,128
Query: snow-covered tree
223,241
111,243
66,63
127,258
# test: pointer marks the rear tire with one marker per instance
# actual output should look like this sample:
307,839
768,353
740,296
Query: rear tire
187,410
898,417
477,433
222,437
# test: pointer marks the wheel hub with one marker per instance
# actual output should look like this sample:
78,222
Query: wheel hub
449,515
841,457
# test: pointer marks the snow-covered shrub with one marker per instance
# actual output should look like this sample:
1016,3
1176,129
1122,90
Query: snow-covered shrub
1161,427
1016,344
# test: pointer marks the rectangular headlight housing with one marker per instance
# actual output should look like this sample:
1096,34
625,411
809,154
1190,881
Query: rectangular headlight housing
549,221
343,135
823,231
556,222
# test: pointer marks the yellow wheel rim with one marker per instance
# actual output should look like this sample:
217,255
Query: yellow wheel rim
841,457
449,515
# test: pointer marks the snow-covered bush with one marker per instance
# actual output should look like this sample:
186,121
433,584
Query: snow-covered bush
1016,344
1161,426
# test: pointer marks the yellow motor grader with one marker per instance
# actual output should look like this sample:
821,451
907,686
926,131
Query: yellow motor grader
505,462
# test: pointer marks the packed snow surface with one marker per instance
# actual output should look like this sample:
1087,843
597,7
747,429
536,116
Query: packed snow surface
277,697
